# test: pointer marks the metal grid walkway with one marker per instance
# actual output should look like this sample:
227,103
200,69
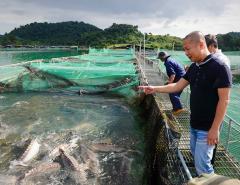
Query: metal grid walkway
224,163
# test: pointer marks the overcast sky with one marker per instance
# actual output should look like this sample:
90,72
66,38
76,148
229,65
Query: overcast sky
174,17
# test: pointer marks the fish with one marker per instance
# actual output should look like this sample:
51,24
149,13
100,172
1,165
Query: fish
44,168
29,154
91,159
69,163
65,147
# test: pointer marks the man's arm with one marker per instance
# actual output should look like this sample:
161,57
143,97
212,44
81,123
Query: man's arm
170,88
224,96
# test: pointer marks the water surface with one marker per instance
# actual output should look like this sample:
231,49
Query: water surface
108,128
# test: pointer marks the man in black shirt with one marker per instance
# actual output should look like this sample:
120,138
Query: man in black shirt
210,81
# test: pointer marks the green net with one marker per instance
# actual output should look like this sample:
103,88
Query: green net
100,71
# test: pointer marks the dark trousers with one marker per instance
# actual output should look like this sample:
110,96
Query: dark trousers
175,100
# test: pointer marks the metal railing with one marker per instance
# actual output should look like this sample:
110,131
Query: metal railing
232,126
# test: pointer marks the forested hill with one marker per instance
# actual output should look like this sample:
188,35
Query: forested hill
83,34
65,33
229,41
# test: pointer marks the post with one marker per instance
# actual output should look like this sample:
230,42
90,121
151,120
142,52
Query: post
184,165
144,51
140,47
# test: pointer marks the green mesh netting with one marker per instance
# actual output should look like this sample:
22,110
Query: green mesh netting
99,71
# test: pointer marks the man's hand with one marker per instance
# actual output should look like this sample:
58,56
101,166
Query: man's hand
213,136
147,89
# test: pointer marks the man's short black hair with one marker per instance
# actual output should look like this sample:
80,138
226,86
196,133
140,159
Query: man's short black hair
211,39
163,54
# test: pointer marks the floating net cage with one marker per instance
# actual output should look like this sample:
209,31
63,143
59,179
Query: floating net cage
100,71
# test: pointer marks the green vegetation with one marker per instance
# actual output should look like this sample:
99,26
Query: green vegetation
83,34
229,41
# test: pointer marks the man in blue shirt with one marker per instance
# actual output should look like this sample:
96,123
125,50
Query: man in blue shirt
210,80
175,72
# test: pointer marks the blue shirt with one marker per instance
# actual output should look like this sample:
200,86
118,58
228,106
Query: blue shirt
174,68
205,79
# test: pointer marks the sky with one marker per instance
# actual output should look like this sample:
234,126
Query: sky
174,17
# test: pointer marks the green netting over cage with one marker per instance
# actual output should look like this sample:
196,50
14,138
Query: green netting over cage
109,56
111,51
100,71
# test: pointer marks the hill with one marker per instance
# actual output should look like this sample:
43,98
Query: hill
83,34
229,41
65,33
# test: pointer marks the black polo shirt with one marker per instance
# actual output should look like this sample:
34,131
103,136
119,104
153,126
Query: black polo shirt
204,81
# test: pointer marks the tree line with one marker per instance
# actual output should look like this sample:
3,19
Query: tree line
83,34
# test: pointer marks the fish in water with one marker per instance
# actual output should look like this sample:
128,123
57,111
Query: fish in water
42,169
29,154
91,159
68,162
65,147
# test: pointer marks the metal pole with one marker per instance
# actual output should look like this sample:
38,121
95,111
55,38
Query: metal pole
184,165
140,48
187,97
144,51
